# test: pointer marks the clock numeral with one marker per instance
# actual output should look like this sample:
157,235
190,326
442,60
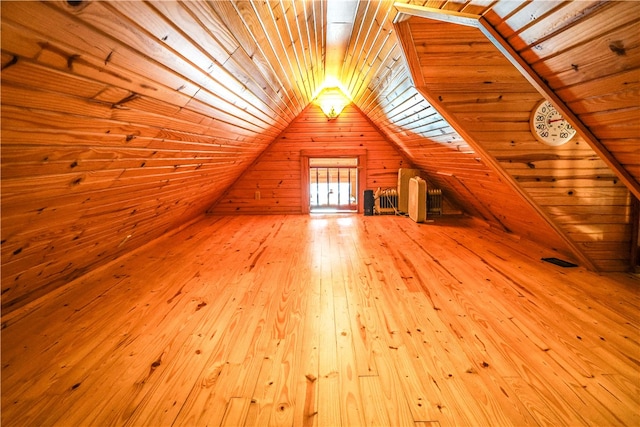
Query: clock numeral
548,125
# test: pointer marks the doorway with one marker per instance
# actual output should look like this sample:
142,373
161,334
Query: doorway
333,184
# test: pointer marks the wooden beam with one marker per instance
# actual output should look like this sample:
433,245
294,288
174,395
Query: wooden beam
461,18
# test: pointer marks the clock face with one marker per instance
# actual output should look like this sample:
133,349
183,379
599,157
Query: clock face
548,125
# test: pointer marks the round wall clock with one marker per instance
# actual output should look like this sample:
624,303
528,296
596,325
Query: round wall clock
548,125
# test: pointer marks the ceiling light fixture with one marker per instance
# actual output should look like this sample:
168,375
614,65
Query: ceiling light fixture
332,101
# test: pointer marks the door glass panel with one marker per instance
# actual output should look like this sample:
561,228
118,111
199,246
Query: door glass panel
337,161
333,184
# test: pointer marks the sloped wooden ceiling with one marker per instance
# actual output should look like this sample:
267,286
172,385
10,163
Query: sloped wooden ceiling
124,120
460,63
588,56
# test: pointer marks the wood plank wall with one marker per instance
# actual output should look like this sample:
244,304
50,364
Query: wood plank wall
117,129
277,173
492,102
589,54
451,163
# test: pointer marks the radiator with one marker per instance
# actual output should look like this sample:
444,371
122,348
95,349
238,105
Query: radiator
386,201
434,201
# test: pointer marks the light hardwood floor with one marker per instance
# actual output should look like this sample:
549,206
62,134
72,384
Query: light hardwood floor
340,320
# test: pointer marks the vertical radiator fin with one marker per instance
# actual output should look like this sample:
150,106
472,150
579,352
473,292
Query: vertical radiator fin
386,201
434,201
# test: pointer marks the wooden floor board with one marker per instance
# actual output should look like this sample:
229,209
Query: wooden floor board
328,320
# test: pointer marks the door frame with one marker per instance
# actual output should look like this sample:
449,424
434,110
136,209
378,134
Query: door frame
305,155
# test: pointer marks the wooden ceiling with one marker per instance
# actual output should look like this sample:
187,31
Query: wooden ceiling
486,84
122,121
